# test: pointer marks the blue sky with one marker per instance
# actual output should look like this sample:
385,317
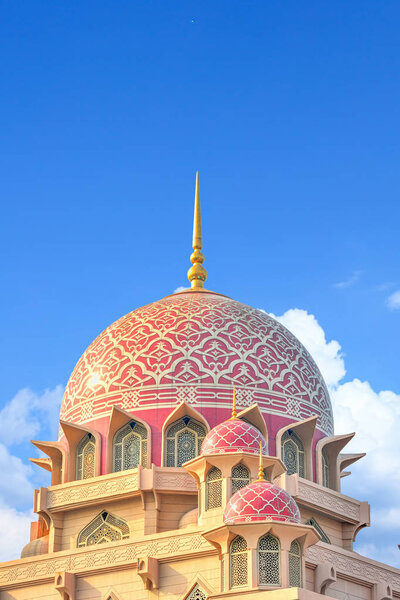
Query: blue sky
289,110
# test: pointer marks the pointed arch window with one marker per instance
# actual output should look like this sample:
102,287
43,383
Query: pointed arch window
183,441
213,488
196,594
269,560
130,447
293,453
104,528
85,457
240,477
325,468
295,564
238,562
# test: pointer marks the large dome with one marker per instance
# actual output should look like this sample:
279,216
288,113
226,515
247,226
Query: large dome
193,347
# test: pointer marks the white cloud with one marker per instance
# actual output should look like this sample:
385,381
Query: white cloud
181,288
327,355
348,282
24,416
375,417
15,527
393,301
27,413
15,487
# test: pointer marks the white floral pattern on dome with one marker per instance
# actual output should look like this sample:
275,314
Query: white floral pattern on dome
201,343
261,501
234,435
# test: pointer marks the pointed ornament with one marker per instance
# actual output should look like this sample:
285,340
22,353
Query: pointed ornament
197,273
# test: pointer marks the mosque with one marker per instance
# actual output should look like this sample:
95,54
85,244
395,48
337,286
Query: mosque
196,460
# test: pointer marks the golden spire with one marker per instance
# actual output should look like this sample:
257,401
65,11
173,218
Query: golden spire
197,273
234,413
261,476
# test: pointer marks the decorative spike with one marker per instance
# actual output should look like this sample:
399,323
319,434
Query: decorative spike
197,273
234,413
261,476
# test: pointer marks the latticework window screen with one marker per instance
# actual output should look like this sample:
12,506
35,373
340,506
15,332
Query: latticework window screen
130,447
183,441
85,457
325,469
293,453
196,594
269,560
240,477
213,488
295,564
239,560
104,528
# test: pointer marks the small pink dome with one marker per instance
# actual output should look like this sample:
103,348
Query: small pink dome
234,435
261,501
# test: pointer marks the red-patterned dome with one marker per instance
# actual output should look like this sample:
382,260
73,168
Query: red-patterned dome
194,346
234,435
261,501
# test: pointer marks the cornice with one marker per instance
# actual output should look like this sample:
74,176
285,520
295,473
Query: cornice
111,556
353,565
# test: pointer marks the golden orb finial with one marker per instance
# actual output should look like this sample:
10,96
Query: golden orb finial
261,476
234,413
197,273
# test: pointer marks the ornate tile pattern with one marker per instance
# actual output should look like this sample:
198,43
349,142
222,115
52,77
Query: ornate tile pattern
234,435
194,347
261,501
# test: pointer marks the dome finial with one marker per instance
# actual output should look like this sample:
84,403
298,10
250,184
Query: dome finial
197,273
261,476
234,413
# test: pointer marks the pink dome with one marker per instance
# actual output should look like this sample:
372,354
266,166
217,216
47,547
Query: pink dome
261,501
234,435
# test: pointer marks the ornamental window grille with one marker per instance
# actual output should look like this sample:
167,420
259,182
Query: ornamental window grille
183,441
269,560
196,594
104,528
238,562
85,457
130,447
324,537
325,469
293,453
295,564
213,488
240,477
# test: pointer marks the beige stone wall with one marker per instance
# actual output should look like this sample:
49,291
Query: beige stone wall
331,527
172,509
75,520
345,589
33,592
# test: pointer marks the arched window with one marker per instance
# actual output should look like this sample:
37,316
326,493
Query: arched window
213,488
238,566
130,447
269,560
183,441
293,453
104,528
295,564
85,457
240,477
325,469
196,594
